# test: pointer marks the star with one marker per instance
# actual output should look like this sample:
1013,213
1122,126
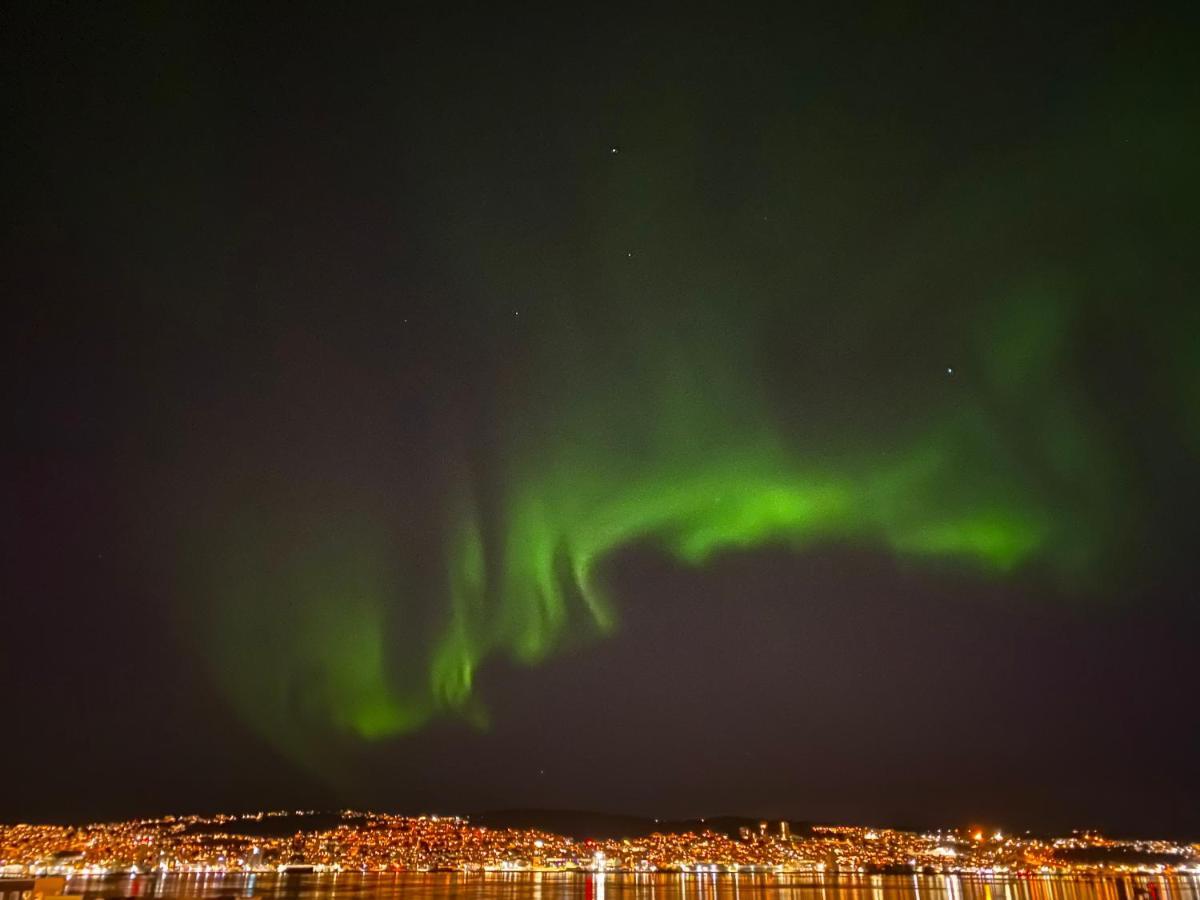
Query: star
614,149
949,370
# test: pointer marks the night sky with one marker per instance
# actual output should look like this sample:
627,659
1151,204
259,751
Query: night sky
767,412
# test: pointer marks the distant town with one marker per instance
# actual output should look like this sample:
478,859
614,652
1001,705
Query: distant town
296,842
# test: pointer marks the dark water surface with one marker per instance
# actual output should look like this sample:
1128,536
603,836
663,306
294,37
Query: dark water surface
583,886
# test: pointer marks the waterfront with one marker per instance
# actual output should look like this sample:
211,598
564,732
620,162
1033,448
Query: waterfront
630,886
344,843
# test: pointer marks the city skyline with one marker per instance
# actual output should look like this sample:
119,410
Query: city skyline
370,842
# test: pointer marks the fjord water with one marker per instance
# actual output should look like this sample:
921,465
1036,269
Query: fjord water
619,886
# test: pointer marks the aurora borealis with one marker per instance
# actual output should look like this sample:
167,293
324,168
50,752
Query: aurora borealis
379,379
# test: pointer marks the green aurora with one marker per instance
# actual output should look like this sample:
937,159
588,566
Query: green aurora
697,465
719,389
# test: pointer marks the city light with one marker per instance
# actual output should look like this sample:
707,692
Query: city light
371,842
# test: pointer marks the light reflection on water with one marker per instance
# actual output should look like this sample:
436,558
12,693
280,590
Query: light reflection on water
620,886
